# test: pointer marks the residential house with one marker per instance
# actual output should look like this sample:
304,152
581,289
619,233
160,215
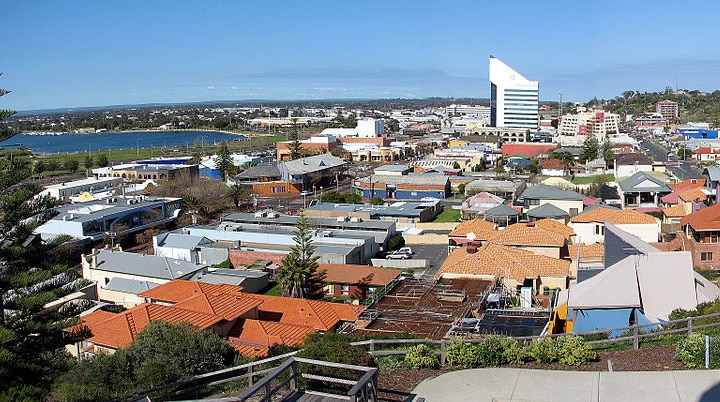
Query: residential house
701,237
547,211
401,211
539,194
585,256
358,281
179,246
406,187
553,167
712,183
628,164
530,237
704,154
477,204
138,271
518,268
642,191
590,226
474,230
502,215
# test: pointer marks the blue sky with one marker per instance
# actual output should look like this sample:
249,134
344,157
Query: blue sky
62,54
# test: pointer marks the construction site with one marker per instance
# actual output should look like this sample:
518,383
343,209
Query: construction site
424,308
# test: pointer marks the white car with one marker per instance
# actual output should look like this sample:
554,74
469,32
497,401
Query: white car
397,255
406,250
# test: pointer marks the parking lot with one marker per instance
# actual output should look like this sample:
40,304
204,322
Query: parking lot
435,254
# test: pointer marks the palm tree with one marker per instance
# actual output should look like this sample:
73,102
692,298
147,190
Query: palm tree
237,192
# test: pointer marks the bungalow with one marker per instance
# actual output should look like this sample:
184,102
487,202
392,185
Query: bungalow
478,230
712,183
479,203
641,191
407,187
539,194
530,237
631,163
701,236
357,281
706,154
553,167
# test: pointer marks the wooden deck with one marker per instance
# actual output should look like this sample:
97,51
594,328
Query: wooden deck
302,396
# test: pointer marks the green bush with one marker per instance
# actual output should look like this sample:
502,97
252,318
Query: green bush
513,351
462,354
396,242
574,351
545,350
490,352
691,351
390,362
421,356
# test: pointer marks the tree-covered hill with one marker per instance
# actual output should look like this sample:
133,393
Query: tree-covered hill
694,105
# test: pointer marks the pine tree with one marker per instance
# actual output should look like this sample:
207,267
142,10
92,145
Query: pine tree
5,132
299,276
589,150
224,163
294,145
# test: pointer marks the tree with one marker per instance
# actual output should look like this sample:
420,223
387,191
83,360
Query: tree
377,201
53,166
224,163
5,133
88,163
237,192
589,149
299,276
295,147
71,165
607,153
102,160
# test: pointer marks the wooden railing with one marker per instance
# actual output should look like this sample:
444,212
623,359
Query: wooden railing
286,375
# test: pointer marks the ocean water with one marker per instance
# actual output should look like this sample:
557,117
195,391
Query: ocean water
70,143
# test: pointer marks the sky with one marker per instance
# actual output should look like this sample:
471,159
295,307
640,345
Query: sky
69,54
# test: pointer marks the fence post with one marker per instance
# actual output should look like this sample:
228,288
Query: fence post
690,326
250,376
372,347
443,349
636,339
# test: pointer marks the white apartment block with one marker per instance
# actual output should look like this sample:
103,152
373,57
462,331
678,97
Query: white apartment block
574,128
481,112
514,99
366,128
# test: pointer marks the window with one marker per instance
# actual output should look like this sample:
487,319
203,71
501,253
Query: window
345,289
708,256
599,229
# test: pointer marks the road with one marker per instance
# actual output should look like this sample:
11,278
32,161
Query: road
682,169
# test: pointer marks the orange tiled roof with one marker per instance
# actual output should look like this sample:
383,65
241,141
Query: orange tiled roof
497,260
352,274
250,350
553,163
704,219
268,333
673,245
693,194
523,234
317,314
555,226
676,211
178,290
595,250
480,227
121,329
689,183
616,217
227,306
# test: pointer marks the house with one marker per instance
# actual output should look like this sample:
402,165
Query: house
477,204
406,187
502,215
712,183
530,237
585,256
589,226
501,188
400,211
547,211
357,281
641,191
706,154
701,237
518,268
103,265
466,232
251,280
539,194
553,167
628,164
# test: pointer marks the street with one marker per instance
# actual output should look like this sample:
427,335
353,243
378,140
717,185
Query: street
682,169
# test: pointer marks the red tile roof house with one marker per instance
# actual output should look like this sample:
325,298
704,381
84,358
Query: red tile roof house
251,323
701,236
357,281
553,167
706,154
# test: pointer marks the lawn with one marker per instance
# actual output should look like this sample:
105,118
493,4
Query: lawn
591,179
448,215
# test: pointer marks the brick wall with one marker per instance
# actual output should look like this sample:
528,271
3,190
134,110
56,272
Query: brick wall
244,257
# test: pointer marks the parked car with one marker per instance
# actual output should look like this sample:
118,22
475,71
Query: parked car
406,250
397,255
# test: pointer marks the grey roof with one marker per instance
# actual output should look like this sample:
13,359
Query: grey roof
643,182
632,158
712,173
545,192
149,266
412,179
228,276
501,210
314,163
491,186
95,210
404,208
391,168
546,210
260,171
596,206
131,286
181,241
291,220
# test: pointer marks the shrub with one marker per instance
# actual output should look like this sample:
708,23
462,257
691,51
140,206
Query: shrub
389,362
462,354
396,242
490,352
691,351
421,356
545,350
574,351
513,351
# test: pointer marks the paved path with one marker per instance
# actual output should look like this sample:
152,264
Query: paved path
522,385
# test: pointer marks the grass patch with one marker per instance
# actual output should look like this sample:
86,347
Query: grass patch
591,179
448,215
273,291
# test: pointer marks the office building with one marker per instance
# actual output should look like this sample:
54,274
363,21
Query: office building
514,99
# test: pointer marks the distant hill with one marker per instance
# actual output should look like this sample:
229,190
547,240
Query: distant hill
694,105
